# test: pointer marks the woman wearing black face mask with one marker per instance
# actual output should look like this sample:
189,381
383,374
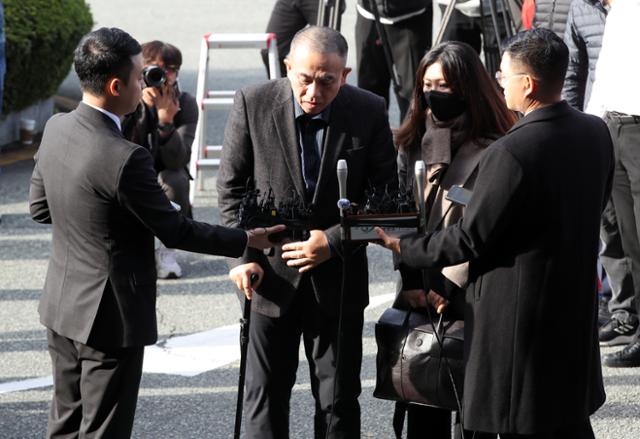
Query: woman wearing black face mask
456,111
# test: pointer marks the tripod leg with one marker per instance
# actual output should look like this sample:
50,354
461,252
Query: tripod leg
494,20
336,15
446,18
505,19
321,13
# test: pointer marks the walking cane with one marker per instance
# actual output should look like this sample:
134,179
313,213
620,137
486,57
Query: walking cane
244,343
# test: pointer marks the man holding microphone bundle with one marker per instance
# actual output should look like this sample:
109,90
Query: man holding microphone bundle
530,234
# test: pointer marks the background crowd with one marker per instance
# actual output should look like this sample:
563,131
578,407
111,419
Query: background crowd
451,109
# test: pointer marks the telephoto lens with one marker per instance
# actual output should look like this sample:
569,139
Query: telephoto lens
154,76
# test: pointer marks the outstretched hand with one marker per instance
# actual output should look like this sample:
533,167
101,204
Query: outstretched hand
388,241
259,237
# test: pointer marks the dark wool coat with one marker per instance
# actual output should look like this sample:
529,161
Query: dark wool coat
530,233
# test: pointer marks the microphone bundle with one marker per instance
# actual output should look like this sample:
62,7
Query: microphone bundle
262,211
393,211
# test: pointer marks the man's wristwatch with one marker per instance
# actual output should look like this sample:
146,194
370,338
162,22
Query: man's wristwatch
166,128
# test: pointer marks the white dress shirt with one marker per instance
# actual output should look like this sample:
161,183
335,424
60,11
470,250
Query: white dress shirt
616,86
111,116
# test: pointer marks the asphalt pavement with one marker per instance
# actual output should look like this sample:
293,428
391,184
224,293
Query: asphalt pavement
188,389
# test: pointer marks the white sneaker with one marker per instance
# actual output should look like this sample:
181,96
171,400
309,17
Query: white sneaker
166,264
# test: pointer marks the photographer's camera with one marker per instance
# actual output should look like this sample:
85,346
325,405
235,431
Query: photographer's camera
154,76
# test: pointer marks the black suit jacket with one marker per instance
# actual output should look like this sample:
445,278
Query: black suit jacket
261,143
101,195
531,234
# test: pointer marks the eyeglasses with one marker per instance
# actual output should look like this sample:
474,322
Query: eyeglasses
172,69
502,80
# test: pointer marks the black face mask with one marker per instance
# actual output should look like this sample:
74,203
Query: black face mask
445,106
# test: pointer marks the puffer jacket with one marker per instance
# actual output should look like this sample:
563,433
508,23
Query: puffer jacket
552,14
583,36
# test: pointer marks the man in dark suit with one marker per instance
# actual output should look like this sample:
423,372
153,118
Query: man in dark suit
102,197
530,233
287,135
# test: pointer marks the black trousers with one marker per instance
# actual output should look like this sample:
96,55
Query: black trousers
582,430
94,392
616,264
272,361
409,40
625,133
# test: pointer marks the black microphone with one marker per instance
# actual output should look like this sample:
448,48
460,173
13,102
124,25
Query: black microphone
420,172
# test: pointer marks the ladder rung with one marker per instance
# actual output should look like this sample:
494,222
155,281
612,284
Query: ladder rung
212,148
238,41
217,103
221,93
207,163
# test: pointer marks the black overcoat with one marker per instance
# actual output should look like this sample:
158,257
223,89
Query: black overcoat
531,234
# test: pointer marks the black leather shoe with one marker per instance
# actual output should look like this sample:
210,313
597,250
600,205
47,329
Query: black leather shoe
628,357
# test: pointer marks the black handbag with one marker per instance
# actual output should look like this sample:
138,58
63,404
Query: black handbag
411,366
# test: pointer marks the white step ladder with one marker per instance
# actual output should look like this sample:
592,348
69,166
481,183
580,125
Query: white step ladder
210,99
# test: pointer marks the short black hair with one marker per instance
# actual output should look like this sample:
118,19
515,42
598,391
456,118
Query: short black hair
542,51
103,54
168,53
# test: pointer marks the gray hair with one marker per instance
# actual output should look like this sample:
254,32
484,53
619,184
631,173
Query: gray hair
321,40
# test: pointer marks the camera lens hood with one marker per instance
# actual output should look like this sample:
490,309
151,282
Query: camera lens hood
154,76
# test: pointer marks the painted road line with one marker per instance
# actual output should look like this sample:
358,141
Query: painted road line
187,355
32,383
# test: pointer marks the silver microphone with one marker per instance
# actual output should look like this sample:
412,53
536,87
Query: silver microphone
420,173
342,172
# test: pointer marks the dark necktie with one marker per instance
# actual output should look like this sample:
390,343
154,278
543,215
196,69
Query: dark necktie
310,152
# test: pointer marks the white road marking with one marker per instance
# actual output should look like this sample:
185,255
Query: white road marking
187,355
33,383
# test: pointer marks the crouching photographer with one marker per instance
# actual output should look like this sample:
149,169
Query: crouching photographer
165,123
